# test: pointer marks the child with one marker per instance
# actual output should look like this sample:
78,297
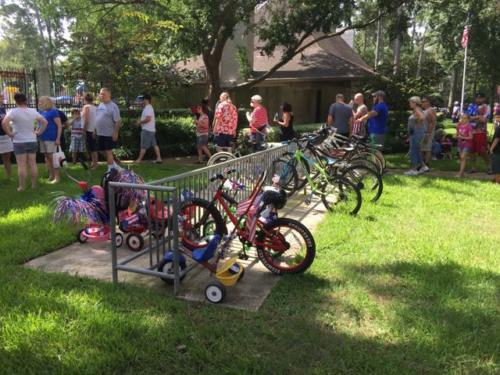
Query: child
77,145
496,115
202,125
495,155
464,137
446,143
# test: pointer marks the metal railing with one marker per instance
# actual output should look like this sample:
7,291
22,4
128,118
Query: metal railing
160,234
197,183
171,191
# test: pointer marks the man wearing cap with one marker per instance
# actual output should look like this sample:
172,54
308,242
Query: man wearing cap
258,122
479,119
377,119
340,116
148,132
108,122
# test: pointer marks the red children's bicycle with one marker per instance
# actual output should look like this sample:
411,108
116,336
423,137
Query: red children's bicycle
284,245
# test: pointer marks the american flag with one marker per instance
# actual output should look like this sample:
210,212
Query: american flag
465,36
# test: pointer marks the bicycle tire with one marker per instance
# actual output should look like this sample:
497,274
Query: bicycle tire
194,214
344,190
220,157
296,230
302,168
366,180
287,174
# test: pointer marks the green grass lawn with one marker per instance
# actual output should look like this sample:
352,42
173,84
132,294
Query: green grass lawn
411,285
402,161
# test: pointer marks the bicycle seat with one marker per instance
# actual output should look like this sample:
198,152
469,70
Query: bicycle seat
207,253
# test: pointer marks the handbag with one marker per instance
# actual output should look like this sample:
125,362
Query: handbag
58,159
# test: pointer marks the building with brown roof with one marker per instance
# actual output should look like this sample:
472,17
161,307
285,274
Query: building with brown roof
309,81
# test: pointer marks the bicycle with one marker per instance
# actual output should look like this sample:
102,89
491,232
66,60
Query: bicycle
242,148
284,245
335,190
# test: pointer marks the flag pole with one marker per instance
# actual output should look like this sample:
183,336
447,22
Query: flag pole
463,80
465,67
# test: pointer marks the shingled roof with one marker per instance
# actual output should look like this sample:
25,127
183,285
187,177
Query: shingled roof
328,59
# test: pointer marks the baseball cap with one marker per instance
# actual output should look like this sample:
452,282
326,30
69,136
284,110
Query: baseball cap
379,93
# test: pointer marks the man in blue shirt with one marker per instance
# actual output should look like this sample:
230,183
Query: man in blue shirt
377,119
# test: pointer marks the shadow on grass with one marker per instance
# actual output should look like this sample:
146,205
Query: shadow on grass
450,307
63,324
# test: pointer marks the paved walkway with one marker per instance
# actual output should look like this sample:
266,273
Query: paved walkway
93,260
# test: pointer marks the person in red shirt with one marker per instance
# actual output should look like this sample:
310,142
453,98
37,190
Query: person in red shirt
479,122
225,123
258,122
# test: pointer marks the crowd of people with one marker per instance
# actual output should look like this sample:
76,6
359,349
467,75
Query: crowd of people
95,128
471,136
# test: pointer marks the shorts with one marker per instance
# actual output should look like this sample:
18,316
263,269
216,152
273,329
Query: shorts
224,140
6,145
91,142
105,143
148,139
479,143
427,146
47,147
77,145
201,139
464,149
25,148
257,138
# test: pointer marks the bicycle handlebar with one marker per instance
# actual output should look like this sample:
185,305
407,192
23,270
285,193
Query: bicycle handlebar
220,176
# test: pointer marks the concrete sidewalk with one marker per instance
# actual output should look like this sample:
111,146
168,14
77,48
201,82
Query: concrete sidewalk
93,260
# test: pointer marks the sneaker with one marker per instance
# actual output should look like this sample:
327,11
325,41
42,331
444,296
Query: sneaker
424,169
412,172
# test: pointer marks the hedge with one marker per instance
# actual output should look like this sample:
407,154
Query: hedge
176,134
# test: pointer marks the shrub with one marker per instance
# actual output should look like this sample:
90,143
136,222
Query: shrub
176,136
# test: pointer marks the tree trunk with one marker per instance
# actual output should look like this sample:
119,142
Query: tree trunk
421,55
453,84
51,50
378,44
476,75
397,46
213,77
365,41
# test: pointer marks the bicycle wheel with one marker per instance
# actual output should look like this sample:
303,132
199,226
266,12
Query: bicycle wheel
368,181
220,157
287,174
368,156
198,219
286,246
302,169
340,195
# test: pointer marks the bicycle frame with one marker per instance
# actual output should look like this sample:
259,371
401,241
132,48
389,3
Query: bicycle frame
302,158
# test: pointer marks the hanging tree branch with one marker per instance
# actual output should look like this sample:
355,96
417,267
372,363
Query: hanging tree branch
298,48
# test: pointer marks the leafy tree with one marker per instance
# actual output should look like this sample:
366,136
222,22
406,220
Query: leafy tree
207,25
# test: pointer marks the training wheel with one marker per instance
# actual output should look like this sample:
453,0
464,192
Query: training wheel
119,240
135,242
215,292
81,236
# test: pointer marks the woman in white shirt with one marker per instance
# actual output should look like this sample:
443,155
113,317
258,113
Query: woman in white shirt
23,125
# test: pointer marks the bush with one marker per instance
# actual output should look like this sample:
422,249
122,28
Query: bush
176,136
